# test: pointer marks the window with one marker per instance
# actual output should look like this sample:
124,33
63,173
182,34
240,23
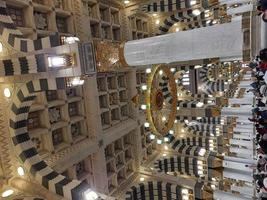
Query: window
57,137
33,120
51,95
73,109
80,168
40,20
16,15
61,24
75,129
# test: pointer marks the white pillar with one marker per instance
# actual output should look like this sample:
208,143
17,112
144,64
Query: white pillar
238,175
245,190
240,160
236,165
236,111
242,101
241,152
244,143
242,136
221,195
222,41
240,9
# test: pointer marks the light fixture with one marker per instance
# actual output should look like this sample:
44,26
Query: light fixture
157,21
159,141
214,22
126,1
7,92
171,132
200,104
182,130
75,81
69,40
200,162
166,139
142,179
148,70
185,191
1,47
7,193
176,121
143,107
164,155
165,147
178,108
59,61
173,69
202,152
207,14
154,14
208,22
186,121
146,124
160,72
144,87
197,66
200,167
163,119
185,197
90,195
152,137
177,29
193,2
196,12
20,171
206,11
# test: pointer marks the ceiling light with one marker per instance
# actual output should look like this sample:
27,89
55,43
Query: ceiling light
159,141
148,70
206,11
144,87
152,137
69,40
177,29
208,22
126,1
196,12
185,191
207,14
142,179
7,193
164,155
214,22
143,107
193,2
20,171
160,72
185,197
202,152
157,21
173,69
90,195
163,119
200,104
166,139
1,47
182,130
176,121
146,124
154,14
198,66
165,147
7,92
171,132
59,61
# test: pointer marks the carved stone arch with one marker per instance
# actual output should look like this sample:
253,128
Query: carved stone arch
25,149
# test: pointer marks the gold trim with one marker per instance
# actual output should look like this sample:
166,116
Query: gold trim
149,100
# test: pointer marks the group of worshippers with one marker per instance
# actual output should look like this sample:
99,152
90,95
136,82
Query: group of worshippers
259,88
262,8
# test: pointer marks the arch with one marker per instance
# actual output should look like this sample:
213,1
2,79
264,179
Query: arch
157,190
13,36
25,149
